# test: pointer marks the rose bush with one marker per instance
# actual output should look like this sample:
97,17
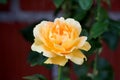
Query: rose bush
60,41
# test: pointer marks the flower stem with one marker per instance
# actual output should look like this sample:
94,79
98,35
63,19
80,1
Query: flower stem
95,67
95,71
59,72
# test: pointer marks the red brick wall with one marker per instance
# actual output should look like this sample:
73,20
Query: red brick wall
14,52
14,49
15,15
37,5
115,5
113,58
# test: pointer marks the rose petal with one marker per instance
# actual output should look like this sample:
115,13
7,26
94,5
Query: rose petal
60,19
59,60
74,24
36,30
86,46
39,47
69,44
58,49
77,57
82,41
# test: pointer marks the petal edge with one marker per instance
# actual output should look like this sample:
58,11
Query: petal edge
77,57
59,60
86,46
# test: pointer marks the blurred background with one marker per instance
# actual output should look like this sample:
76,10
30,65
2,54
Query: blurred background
16,15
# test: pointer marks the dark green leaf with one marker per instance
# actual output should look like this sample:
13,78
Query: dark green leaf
35,58
103,64
35,77
82,71
95,43
105,71
79,14
112,39
98,28
103,15
28,33
85,4
115,26
3,1
84,33
58,3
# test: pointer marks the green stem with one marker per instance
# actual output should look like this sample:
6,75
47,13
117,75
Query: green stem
59,72
95,70
98,9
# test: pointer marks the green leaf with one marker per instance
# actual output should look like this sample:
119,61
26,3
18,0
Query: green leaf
95,43
85,4
3,1
35,58
81,70
103,15
27,33
98,28
58,3
84,33
112,39
105,71
79,14
115,26
35,77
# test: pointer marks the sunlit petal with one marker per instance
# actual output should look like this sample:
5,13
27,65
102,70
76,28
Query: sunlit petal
82,41
59,60
74,24
77,57
86,46
36,30
39,47
69,44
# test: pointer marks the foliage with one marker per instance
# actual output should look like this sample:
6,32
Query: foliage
97,26
3,1
35,77
36,58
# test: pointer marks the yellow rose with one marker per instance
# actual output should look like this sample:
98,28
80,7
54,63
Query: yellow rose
60,41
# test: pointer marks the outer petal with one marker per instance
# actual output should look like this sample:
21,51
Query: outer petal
39,47
86,46
77,57
74,24
59,60
61,19
36,30
82,41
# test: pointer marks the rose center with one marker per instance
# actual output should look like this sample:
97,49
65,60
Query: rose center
60,32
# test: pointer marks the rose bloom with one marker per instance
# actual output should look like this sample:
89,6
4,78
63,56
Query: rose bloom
60,41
